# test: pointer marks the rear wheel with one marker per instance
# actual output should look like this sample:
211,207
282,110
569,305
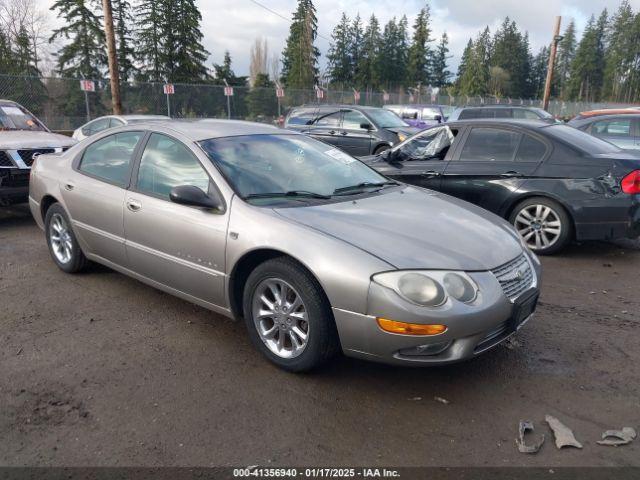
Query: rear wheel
543,224
62,242
288,316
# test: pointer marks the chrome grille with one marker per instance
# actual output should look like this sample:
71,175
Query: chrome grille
27,155
515,276
5,159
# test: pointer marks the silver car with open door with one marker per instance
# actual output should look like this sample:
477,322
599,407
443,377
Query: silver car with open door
314,250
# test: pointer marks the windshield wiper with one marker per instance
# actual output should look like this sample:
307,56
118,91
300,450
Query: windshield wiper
290,193
351,189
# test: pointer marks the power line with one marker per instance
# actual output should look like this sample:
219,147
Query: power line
283,17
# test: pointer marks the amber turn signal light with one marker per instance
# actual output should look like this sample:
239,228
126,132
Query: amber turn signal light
404,328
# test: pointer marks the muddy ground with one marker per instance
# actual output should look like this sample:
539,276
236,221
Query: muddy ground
99,369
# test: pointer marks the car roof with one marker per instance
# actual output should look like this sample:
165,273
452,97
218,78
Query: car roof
204,129
140,116
338,105
533,124
499,105
11,102
610,111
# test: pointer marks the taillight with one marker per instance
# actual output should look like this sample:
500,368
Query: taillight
631,183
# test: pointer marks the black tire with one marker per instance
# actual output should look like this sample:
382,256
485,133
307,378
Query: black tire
558,211
322,343
381,149
77,260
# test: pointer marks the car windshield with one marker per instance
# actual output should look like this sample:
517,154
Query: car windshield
542,113
582,140
267,168
14,117
385,119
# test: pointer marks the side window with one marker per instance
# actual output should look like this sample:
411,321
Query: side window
490,144
99,125
530,150
521,113
616,128
499,113
115,123
431,145
410,114
302,116
470,113
352,120
109,158
329,120
167,163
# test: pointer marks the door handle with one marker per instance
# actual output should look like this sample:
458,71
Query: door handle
134,205
332,132
69,186
344,133
511,174
431,174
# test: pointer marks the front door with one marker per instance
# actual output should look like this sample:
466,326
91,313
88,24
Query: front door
178,246
327,127
355,135
421,160
94,193
492,163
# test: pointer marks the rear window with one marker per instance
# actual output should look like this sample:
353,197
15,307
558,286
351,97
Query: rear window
581,140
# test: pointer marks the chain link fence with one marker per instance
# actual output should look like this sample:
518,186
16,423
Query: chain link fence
63,106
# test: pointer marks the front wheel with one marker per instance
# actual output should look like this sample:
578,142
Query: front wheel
380,149
543,224
288,316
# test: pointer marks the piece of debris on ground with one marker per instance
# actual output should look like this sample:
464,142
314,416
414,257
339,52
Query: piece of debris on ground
442,400
526,426
563,434
615,438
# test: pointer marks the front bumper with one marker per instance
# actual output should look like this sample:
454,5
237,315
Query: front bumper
471,329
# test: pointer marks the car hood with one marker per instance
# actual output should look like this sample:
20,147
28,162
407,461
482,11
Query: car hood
410,227
406,130
17,139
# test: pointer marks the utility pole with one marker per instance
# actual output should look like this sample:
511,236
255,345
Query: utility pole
552,61
114,75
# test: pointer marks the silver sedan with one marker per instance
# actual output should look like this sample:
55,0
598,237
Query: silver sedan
313,250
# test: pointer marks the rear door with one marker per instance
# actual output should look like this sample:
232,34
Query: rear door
492,163
355,139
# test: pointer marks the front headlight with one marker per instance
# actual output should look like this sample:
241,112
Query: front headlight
402,137
429,288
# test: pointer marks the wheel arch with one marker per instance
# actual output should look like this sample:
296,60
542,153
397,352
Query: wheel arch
379,145
45,204
246,264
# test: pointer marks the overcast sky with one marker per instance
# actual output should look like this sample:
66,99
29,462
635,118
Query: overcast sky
234,24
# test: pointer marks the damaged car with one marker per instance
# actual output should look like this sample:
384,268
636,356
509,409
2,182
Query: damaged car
316,252
553,183
22,139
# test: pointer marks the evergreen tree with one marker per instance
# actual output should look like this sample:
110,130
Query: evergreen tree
7,61
150,21
393,53
475,79
355,49
183,56
300,55
224,72
510,52
419,57
586,79
623,56
339,55
539,72
464,61
83,55
261,100
368,75
439,74
564,58
123,19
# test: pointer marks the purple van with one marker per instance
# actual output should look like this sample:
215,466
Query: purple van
421,115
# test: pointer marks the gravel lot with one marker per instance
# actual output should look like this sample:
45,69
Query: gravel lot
99,369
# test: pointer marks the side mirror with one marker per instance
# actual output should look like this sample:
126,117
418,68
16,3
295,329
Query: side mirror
366,126
193,196
438,118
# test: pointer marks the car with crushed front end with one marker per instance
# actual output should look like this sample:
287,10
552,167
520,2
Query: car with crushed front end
554,183
22,138
315,251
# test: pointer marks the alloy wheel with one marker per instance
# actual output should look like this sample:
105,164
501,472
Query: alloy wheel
280,318
60,237
539,226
